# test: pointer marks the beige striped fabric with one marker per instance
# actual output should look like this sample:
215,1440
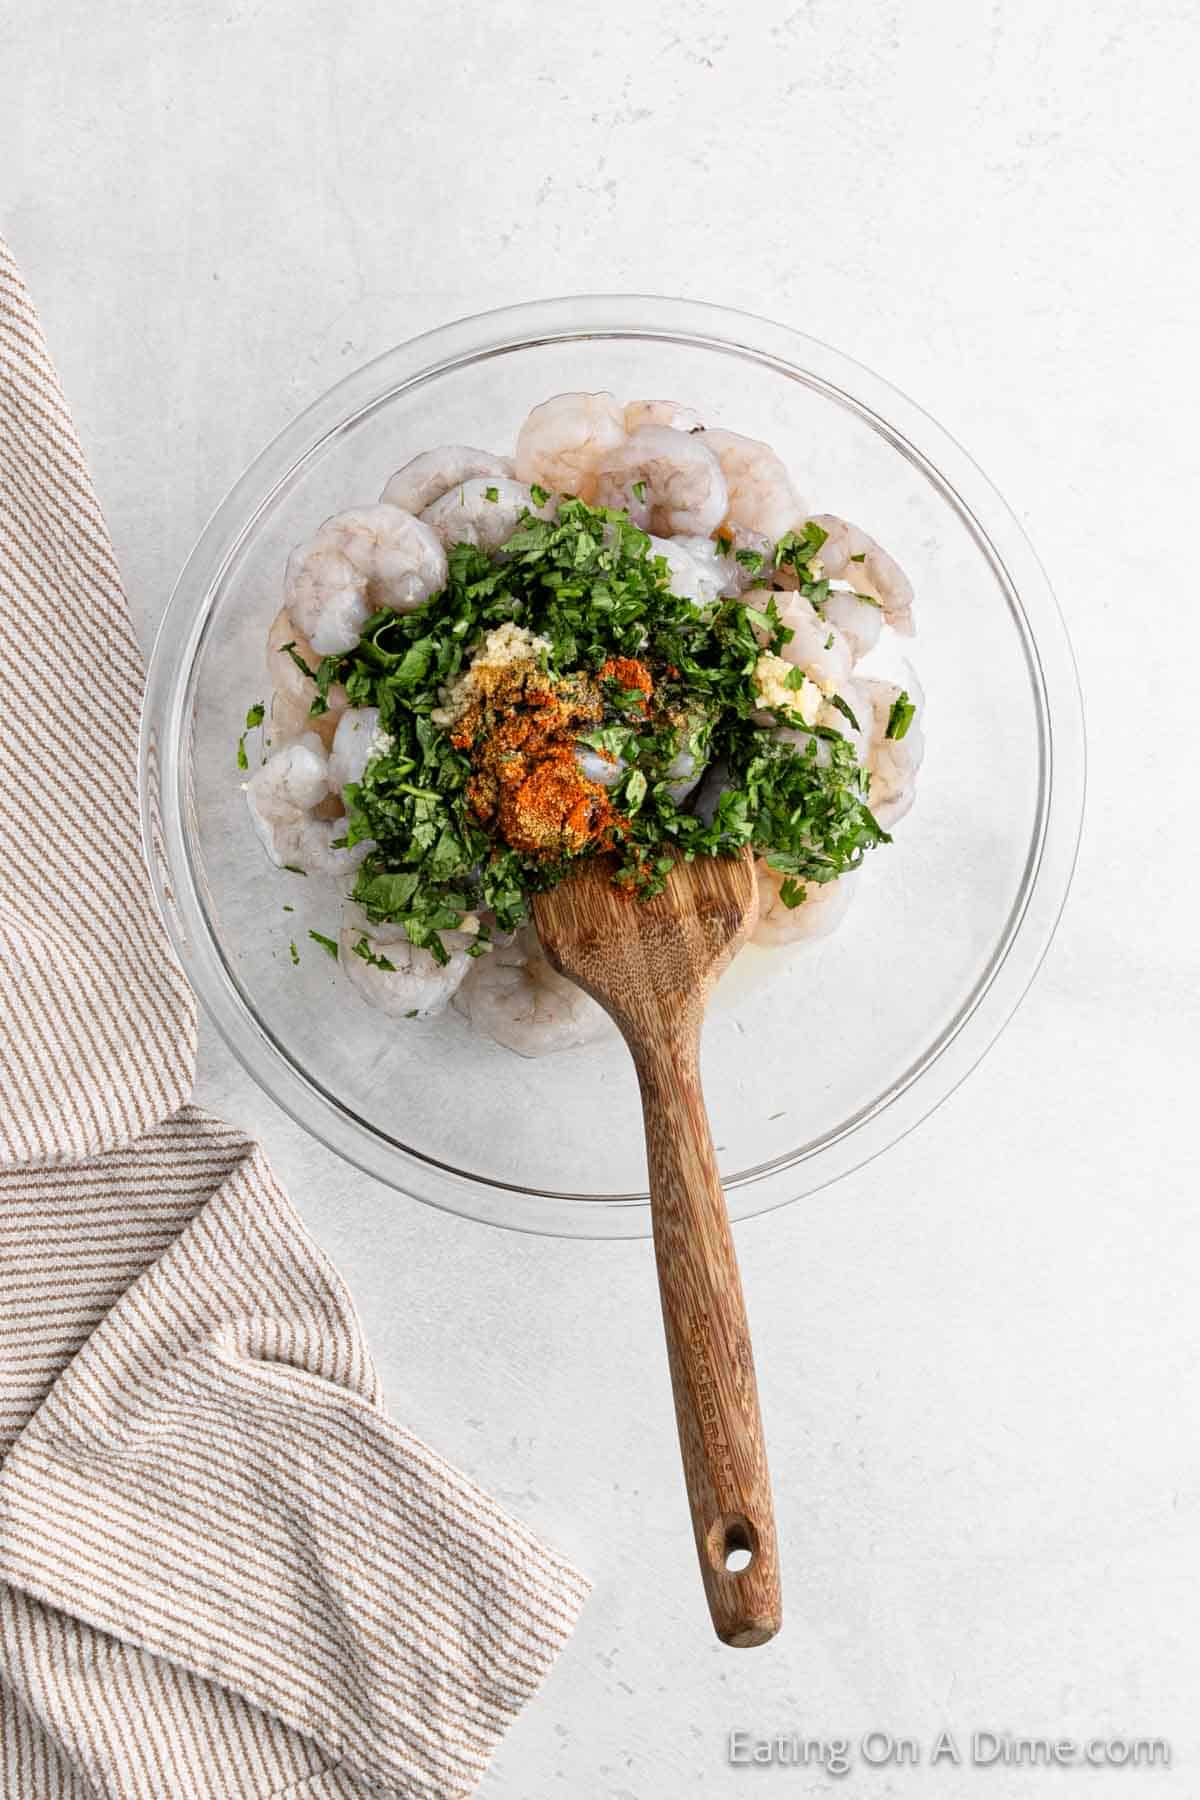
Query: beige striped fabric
225,1574
97,1022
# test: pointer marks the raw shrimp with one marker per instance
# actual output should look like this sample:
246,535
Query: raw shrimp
605,771
877,574
289,680
288,718
428,476
283,797
820,912
816,645
683,774
694,576
355,742
484,512
858,732
859,621
359,561
514,996
416,986
761,495
563,440
893,762
684,489
639,413
721,565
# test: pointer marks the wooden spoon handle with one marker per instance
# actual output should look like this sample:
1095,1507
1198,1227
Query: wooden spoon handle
708,1343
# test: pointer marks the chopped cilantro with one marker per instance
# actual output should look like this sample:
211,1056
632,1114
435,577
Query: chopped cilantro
254,718
901,717
844,708
328,944
295,869
538,494
491,493
295,953
363,949
589,583
861,557
639,492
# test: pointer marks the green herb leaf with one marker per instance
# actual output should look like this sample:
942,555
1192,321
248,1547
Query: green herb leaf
328,944
364,950
900,717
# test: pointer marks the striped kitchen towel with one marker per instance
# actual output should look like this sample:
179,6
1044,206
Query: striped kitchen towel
225,1574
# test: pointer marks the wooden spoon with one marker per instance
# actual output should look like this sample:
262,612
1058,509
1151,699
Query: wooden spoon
651,965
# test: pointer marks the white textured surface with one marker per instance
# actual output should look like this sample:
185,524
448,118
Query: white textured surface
979,1359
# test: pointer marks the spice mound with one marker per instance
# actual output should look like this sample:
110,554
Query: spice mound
519,727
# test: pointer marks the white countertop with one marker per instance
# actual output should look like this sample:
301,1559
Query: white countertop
979,1358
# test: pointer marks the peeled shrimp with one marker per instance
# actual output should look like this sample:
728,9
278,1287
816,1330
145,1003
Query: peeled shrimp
416,986
694,576
820,912
878,574
684,489
730,577
761,495
514,996
816,645
359,561
859,621
563,440
605,771
859,733
294,691
893,763
484,512
428,476
639,413
289,718
284,796
355,742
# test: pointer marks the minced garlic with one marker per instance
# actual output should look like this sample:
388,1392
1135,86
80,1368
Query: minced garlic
771,677
507,643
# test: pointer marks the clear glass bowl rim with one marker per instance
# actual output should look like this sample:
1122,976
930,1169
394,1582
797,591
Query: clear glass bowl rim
915,435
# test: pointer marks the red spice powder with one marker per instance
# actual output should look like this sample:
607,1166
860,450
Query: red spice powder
630,674
520,731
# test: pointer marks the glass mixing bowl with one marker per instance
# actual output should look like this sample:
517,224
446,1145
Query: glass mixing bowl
814,1059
